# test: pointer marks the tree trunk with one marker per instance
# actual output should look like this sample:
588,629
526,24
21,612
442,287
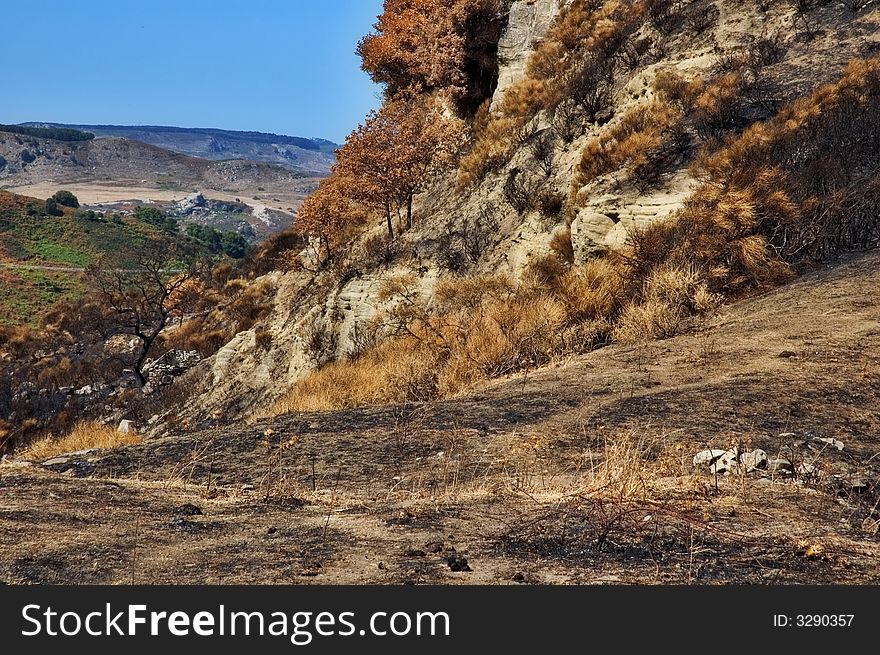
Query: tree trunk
139,363
390,226
409,201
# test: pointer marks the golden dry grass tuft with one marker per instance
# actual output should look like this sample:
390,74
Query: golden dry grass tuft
85,435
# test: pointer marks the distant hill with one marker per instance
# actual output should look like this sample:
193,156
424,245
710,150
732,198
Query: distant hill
291,152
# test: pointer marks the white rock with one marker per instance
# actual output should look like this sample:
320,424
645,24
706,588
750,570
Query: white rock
707,456
779,464
127,427
830,441
756,459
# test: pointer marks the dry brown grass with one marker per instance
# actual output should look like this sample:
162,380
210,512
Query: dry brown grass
85,435
636,143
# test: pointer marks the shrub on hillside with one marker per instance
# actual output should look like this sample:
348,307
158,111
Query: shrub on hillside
66,198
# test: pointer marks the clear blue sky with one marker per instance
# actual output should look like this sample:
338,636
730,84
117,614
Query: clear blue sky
283,66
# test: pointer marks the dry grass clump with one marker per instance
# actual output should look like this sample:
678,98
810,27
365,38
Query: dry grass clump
660,133
471,330
670,297
806,182
84,435
641,142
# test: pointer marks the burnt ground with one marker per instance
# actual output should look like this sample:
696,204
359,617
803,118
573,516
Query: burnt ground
577,473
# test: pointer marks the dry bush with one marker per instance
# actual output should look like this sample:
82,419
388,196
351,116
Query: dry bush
561,246
805,180
520,190
671,295
644,143
380,250
320,338
84,436
251,305
568,121
720,108
199,334
665,15
543,150
591,292
398,370
614,503
464,242
700,16
492,148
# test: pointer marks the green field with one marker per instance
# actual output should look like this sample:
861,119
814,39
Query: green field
33,243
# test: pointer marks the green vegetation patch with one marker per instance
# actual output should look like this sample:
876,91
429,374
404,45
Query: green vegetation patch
25,294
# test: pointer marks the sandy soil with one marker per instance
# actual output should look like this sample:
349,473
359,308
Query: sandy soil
578,473
95,193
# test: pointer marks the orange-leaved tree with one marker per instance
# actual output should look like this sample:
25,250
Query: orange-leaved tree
389,158
429,45
328,214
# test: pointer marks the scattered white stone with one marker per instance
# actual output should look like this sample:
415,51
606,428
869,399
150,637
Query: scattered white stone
780,465
806,469
707,456
836,443
731,461
757,459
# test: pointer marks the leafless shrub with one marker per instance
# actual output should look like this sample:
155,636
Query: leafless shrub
543,149
765,50
568,121
379,249
465,241
590,85
807,26
519,191
477,233
632,53
449,251
364,337
320,339
665,15
525,132
731,60
701,16
550,203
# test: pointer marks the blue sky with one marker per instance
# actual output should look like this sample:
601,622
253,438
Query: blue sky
284,66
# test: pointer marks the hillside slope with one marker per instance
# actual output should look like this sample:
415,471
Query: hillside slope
577,473
43,256
294,153
29,160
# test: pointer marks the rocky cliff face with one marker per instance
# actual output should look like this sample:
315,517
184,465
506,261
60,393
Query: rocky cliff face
528,23
479,231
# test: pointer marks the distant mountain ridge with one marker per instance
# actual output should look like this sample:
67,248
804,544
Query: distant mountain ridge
291,152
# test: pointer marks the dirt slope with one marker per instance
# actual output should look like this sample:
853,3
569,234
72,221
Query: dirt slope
514,478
